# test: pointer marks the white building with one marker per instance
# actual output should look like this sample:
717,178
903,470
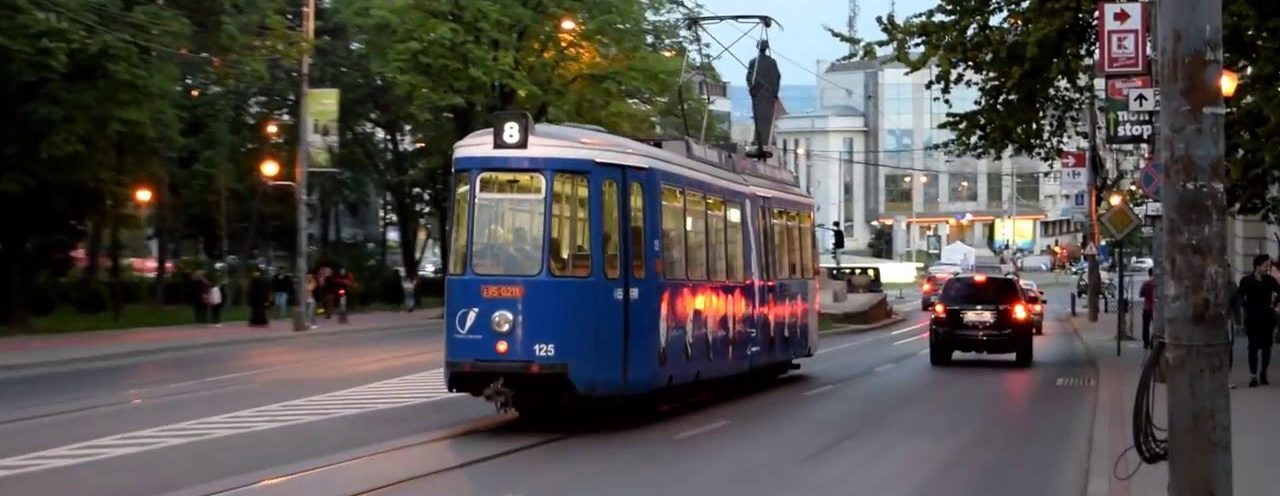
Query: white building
872,134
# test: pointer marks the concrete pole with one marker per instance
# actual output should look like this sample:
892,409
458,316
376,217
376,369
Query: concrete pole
1094,276
1194,292
300,174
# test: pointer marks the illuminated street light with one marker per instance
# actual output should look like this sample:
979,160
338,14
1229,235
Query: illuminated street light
568,24
272,129
269,168
669,53
1228,82
143,195
195,92
1115,199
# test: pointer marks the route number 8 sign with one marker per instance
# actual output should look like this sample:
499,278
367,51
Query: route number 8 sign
511,129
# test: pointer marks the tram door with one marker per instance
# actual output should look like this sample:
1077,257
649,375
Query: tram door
630,304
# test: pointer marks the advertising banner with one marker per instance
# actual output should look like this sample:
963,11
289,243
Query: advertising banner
322,121
1125,127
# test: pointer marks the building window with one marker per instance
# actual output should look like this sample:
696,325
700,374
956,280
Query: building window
932,187
964,187
897,193
570,226
673,227
1028,188
995,190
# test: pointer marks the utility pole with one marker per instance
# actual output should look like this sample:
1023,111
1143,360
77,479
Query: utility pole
1191,142
1095,276
300,173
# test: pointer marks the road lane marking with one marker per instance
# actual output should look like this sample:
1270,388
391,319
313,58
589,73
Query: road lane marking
401,391
912,328
706,428
884,367
864,340
820,390
910,339
923,352
1077,381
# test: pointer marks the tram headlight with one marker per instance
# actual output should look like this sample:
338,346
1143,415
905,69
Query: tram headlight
502,321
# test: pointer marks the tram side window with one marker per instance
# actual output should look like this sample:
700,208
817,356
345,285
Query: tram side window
570,226
637,231
609,196
806,244
793,245
696,223
673,227
715,239
509,212
781,257
733,242
458,237
764,240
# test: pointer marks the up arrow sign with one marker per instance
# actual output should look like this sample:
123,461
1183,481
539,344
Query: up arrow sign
1144,100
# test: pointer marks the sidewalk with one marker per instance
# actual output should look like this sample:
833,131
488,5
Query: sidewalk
52,350
1254,436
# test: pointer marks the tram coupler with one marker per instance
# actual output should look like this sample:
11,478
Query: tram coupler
498,395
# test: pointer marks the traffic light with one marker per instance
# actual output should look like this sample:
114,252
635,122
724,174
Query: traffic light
837,243
269,168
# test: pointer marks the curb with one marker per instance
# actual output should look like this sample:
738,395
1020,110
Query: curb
105,358
1097,480
855,329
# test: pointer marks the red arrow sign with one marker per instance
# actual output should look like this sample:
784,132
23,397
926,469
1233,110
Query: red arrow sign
1121,16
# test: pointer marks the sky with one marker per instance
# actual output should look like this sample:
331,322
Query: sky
801,37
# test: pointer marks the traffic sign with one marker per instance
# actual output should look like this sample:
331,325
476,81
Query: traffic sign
1091,250
1154,209
1122,38
1151,179
1074,174
1144,99
1080,202
1120,221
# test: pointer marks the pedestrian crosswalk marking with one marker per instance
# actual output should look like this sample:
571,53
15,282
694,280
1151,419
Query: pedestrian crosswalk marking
407,390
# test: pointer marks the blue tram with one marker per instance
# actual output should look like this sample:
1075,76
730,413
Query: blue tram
584,264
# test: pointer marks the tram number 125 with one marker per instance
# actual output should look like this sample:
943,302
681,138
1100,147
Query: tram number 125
541,349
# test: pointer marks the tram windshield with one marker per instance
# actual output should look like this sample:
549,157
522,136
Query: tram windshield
507,226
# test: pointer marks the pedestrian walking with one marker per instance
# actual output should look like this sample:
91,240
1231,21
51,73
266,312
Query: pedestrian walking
259,299
216,302
281,288
1148,295
309,309
1258,295
407,285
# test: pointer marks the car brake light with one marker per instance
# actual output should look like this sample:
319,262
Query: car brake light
1020,312
926,287
979,278
940,310
1036,308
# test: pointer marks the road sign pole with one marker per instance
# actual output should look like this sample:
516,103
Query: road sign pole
1191,146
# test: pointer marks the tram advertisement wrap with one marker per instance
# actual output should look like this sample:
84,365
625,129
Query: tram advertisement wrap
723,318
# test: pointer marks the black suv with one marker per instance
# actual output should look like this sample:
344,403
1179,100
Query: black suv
981,314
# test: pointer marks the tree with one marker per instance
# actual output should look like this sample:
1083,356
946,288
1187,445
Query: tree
1032,64
435,70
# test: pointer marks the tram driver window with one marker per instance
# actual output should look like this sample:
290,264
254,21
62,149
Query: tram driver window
459,229
570,226
509,212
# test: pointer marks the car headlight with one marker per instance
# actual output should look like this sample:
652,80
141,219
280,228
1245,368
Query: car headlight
501,321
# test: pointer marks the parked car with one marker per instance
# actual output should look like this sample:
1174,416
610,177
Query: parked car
930,288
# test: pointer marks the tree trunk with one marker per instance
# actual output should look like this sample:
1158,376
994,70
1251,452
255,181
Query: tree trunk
407,215
93,250
162,235
114,251
382,228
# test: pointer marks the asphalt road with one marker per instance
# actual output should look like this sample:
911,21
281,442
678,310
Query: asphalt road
366,414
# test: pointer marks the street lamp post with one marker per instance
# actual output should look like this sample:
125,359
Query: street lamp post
300,173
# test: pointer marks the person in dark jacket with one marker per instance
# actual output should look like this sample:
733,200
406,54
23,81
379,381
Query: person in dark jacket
1148,294
259,299
1259,293
281,290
